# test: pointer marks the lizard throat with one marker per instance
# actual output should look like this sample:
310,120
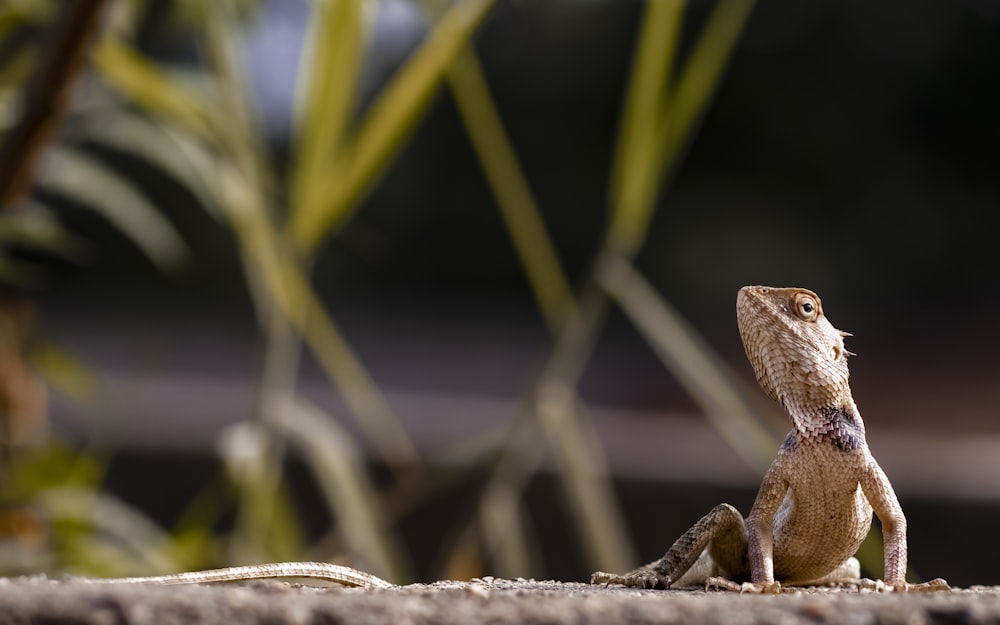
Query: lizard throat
840,426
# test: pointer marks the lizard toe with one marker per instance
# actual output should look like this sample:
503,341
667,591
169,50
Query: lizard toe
935,585
641,578
646,579
721,583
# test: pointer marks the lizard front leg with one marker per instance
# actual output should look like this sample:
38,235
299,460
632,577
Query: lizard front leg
722,531
876,487
760,531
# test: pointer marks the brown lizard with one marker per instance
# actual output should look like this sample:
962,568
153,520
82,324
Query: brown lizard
815,504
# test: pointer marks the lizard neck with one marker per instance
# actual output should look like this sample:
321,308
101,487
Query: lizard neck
839,425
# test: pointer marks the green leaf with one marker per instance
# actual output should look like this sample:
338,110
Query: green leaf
90,182
151,88
692,362
273,270
635,170
660,122
162,144
327,87
701,77
142,541
275,275
36,227
65,372
386,127
510,188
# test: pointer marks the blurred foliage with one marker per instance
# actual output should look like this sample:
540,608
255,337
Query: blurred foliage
200,127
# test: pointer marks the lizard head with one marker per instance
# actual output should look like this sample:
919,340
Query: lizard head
797,355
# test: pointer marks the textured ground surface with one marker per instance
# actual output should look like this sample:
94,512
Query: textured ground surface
37,600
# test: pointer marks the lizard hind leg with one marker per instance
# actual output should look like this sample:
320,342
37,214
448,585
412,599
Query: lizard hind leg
722,532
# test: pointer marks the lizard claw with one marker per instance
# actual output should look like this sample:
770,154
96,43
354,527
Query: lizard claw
640,578
721,583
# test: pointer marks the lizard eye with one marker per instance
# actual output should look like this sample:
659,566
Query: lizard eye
806,307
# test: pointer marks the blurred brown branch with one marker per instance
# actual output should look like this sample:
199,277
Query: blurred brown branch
45,99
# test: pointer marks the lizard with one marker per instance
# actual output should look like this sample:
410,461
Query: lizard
814,506
344,575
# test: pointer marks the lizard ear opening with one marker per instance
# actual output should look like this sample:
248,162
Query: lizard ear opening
839,352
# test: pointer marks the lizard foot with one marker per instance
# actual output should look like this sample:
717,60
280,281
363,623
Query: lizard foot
935,585
639,578
721,583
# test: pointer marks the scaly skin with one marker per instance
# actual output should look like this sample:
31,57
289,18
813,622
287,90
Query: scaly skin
313,570
815,504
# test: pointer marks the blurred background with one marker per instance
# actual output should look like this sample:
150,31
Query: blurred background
447,289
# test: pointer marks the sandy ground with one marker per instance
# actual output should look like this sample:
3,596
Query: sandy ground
39,600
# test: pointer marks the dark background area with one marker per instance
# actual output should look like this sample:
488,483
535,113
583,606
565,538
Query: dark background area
851,149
